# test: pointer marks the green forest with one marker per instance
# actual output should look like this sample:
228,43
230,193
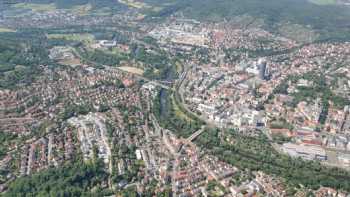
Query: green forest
73,179
21,55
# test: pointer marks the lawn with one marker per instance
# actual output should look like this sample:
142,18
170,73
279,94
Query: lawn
36,7
82,10
70,62
135,4
105,11
6,30
324,2
131,69
87,38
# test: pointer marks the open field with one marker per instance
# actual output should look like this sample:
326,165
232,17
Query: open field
135,4
323,2
88,38
35,7
179,67
299,33
6,30
105,11
70,62
131,69
82,10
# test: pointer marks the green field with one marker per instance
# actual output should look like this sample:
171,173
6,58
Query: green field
105,11
6,30
35,7
86,38
81,10
323,2
134,4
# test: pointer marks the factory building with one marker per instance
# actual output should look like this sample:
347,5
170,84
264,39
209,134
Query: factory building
305,152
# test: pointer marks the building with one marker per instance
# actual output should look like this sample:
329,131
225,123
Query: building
262,68
344,159
108,43
305,152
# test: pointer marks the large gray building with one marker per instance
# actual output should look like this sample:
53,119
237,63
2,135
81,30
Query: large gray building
262,68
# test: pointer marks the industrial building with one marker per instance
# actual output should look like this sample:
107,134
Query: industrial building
305,152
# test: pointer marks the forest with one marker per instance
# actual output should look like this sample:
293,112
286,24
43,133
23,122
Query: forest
73,179
21,55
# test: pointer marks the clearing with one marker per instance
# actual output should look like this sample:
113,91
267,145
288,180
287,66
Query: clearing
135,4
6,30
131,69
82,10
86,38
70,62
324,2
36,7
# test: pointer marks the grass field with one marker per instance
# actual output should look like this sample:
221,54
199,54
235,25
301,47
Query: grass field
87,38
179,68
82,10
298,33
35,7
324,2
130,69
6,30
105,11
71,62
135,4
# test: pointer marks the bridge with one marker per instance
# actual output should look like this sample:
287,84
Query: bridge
155,123
166,82
190,138
196,134
156,83
161,84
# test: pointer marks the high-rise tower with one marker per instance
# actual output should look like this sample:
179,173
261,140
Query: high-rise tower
262,68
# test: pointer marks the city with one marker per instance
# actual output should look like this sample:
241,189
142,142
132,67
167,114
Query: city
166,98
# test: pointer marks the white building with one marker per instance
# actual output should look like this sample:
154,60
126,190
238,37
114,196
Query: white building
108,43
305,152
344,159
